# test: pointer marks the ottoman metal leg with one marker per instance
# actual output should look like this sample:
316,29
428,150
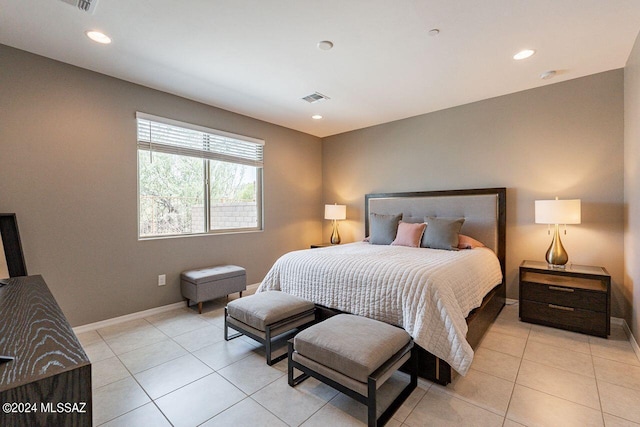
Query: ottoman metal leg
372,407
399,400
226,329
267,348
293,381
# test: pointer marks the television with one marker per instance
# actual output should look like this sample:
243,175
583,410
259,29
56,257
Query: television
11,257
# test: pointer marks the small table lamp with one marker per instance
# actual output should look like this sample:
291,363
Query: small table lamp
336,213
556,212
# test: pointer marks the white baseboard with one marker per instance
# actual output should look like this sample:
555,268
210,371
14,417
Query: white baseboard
634,344
627,330
141,314
127,317
620,321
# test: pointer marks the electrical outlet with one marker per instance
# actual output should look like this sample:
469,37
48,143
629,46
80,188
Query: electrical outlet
162,280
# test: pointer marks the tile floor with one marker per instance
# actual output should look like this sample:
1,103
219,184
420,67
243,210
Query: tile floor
176,369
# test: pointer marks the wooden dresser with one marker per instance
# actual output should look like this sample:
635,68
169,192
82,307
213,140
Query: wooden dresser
49,381
577,298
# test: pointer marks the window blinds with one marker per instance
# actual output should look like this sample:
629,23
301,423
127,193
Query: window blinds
174,137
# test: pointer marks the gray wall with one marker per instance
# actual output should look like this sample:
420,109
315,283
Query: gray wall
69,171
632,183
564,139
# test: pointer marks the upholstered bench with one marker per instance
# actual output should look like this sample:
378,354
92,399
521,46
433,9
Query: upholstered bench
354,355
268,317
209,283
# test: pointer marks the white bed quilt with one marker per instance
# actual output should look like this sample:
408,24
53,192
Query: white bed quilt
427,292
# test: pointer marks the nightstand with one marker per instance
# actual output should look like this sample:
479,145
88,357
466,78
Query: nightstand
321,245
577,298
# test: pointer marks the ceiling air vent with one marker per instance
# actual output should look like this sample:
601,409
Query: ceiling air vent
315,97
84,5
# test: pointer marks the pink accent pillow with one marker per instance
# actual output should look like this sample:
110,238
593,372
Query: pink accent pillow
409,234
466,242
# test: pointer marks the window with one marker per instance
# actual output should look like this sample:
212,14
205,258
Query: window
194,180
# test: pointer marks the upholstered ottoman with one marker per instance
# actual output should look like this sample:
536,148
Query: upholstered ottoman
354,355
209,283
268,317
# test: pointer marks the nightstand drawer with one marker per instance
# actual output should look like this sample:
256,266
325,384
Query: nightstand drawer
573,319
564,296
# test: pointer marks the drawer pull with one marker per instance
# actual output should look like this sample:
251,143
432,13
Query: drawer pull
555,288
559,307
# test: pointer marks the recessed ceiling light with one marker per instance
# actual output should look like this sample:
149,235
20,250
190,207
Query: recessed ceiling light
325,45
98,37
434,32
316,117
523,54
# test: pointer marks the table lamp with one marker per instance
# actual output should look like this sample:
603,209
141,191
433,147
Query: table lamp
556,212
335,213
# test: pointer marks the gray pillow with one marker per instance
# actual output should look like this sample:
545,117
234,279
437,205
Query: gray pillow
383,228
442,233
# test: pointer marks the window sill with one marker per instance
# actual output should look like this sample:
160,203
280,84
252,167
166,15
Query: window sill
213,233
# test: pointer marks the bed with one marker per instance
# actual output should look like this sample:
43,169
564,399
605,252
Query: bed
445,299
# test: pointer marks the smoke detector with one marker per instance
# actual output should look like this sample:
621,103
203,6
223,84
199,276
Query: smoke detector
325,45
84,5
315,97
548,74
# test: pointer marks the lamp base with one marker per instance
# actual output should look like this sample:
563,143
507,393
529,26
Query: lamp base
335,236
556,255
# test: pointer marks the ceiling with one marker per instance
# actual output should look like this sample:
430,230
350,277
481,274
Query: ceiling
260,57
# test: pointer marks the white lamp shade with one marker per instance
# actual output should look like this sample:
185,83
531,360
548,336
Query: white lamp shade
338,212
558,211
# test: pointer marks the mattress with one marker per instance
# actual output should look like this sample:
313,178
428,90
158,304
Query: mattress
428,292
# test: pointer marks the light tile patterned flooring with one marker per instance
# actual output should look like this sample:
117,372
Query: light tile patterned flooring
176,369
